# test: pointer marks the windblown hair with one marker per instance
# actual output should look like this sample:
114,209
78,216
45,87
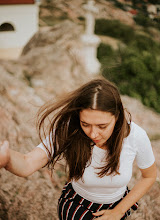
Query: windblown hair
65,132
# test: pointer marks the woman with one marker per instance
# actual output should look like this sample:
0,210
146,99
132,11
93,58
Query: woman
89,128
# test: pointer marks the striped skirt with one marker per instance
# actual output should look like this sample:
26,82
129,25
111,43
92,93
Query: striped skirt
72,206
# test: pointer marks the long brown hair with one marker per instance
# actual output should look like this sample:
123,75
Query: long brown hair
66,134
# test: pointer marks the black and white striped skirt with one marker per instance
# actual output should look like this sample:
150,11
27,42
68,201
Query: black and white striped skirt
72,206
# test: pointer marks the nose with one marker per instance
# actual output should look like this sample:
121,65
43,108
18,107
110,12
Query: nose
93,133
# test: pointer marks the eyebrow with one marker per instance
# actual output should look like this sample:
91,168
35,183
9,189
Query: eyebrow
96,124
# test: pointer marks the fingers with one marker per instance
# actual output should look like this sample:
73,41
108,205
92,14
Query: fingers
4,153
4,144
4,147
99,213
100,218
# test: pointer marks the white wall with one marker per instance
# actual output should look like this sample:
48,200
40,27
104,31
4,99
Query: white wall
24,18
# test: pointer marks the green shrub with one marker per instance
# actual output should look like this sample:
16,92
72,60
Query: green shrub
145,21
134,68
154,2
136,74
81,18
115,29
142,42
104,50
51,20
118,4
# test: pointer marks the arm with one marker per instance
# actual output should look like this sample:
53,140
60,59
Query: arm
140,189
20,164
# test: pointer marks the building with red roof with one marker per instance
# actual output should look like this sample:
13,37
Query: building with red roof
19,21
10,2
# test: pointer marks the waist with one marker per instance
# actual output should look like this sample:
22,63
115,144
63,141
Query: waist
99,195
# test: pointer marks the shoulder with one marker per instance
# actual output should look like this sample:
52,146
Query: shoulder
136,128
139,145
47,146
142,145
137,132
137,136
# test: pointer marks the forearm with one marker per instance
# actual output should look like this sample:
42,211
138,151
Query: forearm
24,165
138,191
17,164
132,197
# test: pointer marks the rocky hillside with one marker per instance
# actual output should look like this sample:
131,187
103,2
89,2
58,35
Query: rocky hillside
52,12
50,66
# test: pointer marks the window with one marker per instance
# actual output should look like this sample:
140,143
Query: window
6,27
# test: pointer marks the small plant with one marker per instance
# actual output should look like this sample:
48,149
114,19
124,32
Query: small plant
118,4
145,21
28,78
114,28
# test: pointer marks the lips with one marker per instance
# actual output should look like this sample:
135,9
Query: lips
96,141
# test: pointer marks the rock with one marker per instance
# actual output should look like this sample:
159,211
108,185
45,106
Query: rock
143,116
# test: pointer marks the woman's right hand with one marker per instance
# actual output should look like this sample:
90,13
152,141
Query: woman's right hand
4,154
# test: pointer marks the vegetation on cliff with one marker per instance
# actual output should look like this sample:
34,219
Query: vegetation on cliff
134,66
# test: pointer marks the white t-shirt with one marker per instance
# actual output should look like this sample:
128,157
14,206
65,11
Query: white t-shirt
109,189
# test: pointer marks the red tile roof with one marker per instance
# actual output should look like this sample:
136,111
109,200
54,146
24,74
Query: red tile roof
11,2
133,11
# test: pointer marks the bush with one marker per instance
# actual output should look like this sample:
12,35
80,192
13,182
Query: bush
145,21
142,42
115,29
51,20
118,4
135,74
104,50
154,2
134,68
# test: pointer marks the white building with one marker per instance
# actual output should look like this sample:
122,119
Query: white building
19,20
153,10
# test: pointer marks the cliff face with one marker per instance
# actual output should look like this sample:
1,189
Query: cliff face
50,66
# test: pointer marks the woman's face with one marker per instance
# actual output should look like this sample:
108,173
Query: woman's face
97,125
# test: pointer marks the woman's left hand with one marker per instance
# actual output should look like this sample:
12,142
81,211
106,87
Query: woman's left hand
107,215
4,153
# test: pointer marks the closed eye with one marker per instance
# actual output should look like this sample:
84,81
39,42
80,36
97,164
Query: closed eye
102,127
85,125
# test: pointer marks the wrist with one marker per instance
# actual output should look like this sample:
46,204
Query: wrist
119,212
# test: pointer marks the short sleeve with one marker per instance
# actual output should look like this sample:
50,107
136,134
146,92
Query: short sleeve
47,144
144,155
